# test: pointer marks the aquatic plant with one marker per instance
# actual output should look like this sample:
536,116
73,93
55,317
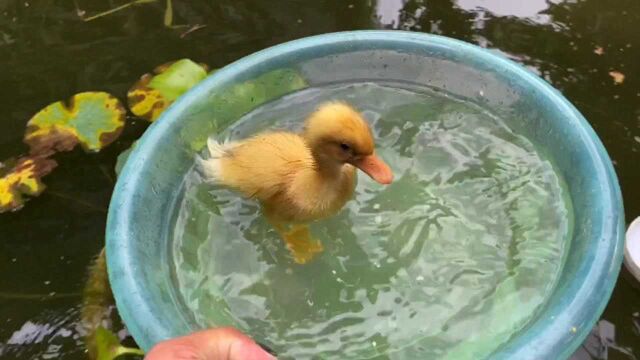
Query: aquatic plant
153,93
23,178
91,119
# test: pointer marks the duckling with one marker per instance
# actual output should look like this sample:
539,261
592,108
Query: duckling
300,177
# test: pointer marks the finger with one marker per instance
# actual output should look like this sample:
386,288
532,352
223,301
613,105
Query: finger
213,344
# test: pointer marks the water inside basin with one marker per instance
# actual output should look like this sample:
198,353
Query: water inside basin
473,229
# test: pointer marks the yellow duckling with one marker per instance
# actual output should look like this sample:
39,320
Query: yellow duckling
299,178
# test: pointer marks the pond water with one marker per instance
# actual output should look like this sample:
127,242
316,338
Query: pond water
474,224
48,53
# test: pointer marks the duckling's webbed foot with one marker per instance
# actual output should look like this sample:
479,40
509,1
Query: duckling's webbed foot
301,245
299,242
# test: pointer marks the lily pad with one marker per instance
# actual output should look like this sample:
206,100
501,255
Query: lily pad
152,94
92,119
23,179
228,105
109,347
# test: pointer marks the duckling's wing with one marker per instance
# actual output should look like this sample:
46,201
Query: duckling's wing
263,165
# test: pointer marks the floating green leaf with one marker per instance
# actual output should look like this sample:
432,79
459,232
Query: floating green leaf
229,105
93,119
109,347
23,179
153,93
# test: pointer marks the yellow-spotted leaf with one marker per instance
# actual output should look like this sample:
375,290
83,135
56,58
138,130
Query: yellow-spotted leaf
109,347
23,179
153,93
92,119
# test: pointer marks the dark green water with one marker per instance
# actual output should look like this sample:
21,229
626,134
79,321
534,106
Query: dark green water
47,53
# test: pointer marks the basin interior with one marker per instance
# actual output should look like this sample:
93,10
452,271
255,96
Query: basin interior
527,105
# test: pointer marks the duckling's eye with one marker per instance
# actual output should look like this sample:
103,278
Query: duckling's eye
345,147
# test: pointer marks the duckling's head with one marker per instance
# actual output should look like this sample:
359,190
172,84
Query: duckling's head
338,135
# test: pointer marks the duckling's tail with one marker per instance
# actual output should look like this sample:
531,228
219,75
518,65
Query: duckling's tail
211,167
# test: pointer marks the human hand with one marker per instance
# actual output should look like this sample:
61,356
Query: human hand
213,344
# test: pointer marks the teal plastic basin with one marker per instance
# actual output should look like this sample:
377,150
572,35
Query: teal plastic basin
143,204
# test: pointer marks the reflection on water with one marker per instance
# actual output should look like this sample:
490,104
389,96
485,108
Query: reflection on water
53,334
601,343
525,9
388,12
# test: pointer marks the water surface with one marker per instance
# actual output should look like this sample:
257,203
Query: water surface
447,262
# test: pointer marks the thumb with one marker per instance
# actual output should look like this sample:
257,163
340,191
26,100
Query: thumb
213,344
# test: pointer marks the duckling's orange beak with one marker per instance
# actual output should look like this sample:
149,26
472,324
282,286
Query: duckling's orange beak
377,169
